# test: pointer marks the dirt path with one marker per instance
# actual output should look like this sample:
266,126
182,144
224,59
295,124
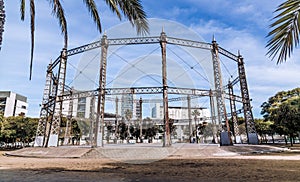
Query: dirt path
180,167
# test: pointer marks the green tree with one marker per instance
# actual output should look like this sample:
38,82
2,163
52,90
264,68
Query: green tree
110,129
131,10
150,133
263,128
18,129
284,110
196,113
284,33
76,131
122,130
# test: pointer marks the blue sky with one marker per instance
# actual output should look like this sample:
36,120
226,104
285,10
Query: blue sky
236,25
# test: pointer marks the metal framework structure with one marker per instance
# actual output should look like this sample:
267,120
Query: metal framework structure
54,93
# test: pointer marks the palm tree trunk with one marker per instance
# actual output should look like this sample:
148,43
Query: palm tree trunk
2,20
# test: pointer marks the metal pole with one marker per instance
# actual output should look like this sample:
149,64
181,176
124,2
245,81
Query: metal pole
190,117
101,95
69,119
117,122
163,43
55,125
252,137
222,115
44,114
236,132
213,117
141,119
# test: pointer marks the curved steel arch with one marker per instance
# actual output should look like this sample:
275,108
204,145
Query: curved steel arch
144,40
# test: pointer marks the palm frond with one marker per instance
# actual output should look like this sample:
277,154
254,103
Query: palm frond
22,9
133,11
32,27
90,4
58,11
113,5
284,34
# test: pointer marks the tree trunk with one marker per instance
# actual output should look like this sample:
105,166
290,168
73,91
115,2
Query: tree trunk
266,140
285,139
291,139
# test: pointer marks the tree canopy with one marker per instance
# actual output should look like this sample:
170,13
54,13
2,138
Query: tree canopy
17,129
284,110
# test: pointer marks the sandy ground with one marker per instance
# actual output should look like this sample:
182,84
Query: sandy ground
266,167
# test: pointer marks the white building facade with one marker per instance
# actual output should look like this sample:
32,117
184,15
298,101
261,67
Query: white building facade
13,104
180,115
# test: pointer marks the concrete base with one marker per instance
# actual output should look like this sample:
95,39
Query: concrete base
252,138
53,140
224,139
38,142
238,139
99,140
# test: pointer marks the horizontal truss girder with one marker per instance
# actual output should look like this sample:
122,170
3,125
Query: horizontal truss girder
150,90
144,40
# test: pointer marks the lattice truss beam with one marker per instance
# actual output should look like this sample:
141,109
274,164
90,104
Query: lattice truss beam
54,94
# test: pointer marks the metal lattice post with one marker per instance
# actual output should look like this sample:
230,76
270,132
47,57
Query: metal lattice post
163,44
213,117
236,132
116,122
92,120
252,137
141,119
2,20
51,107
190,118
69,119
55,125
222,115
42,124
101,95
218,86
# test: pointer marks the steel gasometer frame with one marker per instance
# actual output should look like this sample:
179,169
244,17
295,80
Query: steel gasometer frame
54,93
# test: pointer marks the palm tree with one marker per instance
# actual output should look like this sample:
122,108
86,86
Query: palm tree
196,113
131,9
284,34
2,20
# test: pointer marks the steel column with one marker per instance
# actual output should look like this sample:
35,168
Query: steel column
163,44
42,124
92,120
55,125
219,87
141,119
69,120
190,118
98,140
252,137
236,132
213,117
219,92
